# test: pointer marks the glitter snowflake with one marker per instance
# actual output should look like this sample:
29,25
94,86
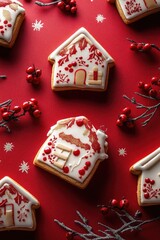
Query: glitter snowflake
24,167
37,25
100,18
122,152
8,147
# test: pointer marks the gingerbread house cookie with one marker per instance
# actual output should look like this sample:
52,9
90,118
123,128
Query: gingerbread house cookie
73,150
148,171
80,63
133,10
11,17
17,206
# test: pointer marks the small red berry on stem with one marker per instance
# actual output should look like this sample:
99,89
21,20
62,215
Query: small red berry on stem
33,75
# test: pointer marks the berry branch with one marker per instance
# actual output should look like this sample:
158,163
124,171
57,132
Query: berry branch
3,76
142,47
69,6
128,223
151,92
9,114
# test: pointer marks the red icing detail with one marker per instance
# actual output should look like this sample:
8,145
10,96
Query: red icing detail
66,169
95,75
47,150
88,164
79,122
81,172
83,44
76,152
146,195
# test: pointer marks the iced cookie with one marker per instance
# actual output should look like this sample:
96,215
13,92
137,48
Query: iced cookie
148,171
17,206
80,63
11,17
133,10
73,150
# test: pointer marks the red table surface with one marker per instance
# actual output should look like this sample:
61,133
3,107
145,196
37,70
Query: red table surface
59,199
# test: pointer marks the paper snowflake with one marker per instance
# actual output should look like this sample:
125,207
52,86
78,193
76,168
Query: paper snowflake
37,25
122,152
24,167
8,147
100,18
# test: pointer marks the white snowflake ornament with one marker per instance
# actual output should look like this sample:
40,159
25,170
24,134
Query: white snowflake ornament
8,147
37,25
24,167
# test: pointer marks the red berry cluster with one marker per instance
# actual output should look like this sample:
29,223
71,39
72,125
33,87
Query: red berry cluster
142,47
33,75
152,88
69,235
9,113
69,6
114,203
125,118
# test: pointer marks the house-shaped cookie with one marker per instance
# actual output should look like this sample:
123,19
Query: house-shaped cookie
17,206
73,150
133,10
80,63
12,15
148,171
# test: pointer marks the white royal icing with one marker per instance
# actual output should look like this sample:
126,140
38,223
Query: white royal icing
15,205
9,10
150,177
80,55
134,8
67,138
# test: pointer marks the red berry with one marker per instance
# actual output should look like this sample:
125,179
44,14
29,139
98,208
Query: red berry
133,46
5,116
16,109
119,123
141,85
3,109
140,46
61,5
126,111
69,236
29,78
30,70
67,8
73,9
154,80
123,117
33,100
26,106
104,210
146,47
72,3
152,93
37,113
114,203
38,72
147,87
36,81
123,203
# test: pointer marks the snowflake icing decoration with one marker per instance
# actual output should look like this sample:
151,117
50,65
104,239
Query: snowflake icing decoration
100,18
37,25
8,147
24,167
122,152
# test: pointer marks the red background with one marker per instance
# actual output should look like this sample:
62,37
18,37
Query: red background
58,199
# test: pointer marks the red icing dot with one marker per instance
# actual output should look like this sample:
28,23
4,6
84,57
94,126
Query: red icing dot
85,167
76,152
81,172
44,159
147,180
146,195
66,169
47,150
88,164
5,22
79,122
